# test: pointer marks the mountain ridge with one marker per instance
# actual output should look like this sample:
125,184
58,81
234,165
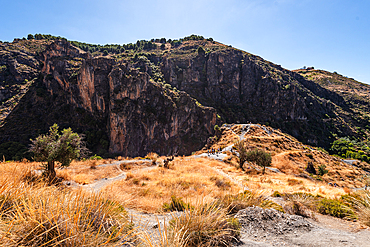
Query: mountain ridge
224,83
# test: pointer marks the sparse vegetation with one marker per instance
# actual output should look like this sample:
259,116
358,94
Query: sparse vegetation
334,208
35,214
351,149
176,204
321,170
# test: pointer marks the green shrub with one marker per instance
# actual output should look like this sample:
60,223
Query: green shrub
57,146
334,208
30,36
96,157
14,151
322,171
176,204
259,157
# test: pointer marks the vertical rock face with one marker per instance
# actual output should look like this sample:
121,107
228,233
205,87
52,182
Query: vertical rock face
244,88
138,114
145,117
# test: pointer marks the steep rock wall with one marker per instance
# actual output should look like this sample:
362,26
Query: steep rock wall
146,117
244,88
137,114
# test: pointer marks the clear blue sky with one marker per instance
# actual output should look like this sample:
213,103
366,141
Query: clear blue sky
326,34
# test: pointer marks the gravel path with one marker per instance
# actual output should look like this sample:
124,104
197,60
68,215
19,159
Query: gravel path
268,227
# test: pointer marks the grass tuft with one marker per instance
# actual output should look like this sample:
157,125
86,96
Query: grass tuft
176,204
206,225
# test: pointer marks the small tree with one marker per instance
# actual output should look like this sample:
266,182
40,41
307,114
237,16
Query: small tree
56,147
259,157
242,150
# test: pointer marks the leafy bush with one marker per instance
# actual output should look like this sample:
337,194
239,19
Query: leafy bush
56,147
96,157
242,150
14,151
192,37
351,149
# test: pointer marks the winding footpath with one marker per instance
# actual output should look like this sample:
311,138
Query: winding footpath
100,184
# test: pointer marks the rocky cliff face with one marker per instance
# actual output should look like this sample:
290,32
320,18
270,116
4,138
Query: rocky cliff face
245,88
146,117
164,100
135,113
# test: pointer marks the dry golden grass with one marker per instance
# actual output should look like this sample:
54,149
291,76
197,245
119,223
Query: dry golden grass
35,214
203,225
28,204
190,179
206,225
85,172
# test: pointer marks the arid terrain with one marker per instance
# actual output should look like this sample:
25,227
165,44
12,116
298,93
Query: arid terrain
137,201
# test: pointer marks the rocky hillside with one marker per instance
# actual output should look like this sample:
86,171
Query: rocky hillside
289,156
162,95
353,111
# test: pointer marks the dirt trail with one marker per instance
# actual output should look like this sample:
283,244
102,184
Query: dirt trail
235,181
100,184
245,129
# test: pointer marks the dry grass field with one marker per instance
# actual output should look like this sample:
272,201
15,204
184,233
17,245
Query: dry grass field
34,213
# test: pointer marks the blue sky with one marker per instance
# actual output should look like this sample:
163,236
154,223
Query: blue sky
326,34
